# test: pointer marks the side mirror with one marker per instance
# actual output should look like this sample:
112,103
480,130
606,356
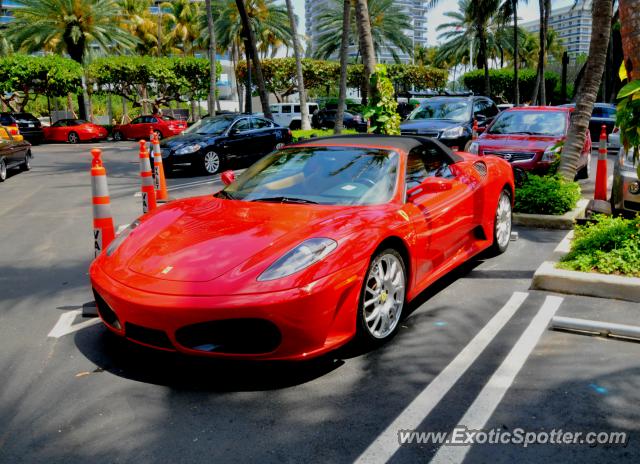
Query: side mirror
228,177
430,185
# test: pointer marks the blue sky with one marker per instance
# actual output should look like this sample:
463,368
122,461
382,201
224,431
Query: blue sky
527,12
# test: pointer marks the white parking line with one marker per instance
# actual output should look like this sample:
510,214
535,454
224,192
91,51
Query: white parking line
383,448
65,325
485,404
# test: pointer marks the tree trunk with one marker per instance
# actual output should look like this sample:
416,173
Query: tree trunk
344,63
235,57
482,38
248,100
213,74
304,109
601,29
516,86
630,31
251,42
366,43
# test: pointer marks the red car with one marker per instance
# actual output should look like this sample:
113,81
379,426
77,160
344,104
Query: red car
74,131
312,245
530,137
140,127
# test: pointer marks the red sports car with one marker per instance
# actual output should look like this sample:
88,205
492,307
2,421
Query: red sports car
314,244
140,127
530,137
74,131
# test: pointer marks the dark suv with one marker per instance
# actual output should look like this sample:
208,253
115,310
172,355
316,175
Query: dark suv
450,118
29,126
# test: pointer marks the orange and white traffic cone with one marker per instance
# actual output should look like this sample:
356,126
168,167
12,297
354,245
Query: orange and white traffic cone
158,172
103,227
601,173
474,132
148,191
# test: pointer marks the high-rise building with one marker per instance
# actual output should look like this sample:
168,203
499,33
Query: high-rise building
415,9
572,24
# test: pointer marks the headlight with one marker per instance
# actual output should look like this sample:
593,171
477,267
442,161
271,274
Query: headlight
551,154
634,188
304,255
113,246
452,133
188,149
473,148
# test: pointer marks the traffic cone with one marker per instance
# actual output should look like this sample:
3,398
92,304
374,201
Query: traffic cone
601,173
158,172
148,191
474,132
103,226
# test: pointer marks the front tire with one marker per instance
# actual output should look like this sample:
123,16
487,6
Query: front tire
382,297
502,225
73,138
211,162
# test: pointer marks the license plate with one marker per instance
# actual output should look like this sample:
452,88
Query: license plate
30,125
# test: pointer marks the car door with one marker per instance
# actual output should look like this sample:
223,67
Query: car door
133,130
443,221
59,131
9,149
264,136
238,145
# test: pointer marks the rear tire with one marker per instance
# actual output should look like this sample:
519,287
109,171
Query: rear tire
295,125
158,134
3,170
26,165
117,136
382,298
73,138
502,225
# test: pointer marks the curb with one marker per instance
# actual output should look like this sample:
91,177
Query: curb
548,277
548,221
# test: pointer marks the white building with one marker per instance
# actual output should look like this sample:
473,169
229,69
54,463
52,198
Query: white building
415,9
573,25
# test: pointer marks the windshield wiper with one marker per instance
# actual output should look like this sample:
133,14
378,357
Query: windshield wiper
300,201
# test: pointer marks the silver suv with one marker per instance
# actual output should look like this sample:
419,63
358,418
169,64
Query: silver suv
625,193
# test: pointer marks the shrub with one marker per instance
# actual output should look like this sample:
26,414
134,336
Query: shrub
609,245
502,83
547,195
383,106
307,134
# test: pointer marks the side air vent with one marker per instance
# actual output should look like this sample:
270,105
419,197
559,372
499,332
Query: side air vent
480,168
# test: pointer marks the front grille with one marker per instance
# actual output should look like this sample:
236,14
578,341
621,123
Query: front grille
632,205
107,314
512,156
152,337
480,168
233,336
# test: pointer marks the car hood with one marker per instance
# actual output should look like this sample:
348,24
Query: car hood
429,124
200,239
173,143
516,142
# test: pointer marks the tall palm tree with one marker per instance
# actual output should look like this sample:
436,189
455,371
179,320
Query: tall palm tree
140,23
540,87
387,21
70,26
602,11
344,62
183,25
212,58
304,110
509,10
365,39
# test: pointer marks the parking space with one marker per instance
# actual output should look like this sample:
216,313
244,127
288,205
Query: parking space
72,392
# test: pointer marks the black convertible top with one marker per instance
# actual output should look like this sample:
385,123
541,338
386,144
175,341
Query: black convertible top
405,143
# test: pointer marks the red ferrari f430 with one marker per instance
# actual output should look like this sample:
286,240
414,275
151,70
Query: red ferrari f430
313,245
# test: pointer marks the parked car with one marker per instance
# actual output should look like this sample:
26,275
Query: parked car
29,126
220,141
625,192
326,119
450,119
288,114
313,245
603,114
13,153
74,131
140,127
530,138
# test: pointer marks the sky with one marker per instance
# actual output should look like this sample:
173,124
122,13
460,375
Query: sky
436,16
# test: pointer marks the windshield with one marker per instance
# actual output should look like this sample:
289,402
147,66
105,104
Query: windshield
210,126
79,122
548,123
453,110
322,175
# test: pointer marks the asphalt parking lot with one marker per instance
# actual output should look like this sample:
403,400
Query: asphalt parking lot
474,352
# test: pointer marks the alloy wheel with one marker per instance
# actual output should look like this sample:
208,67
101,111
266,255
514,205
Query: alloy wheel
211,162
73,137
503,221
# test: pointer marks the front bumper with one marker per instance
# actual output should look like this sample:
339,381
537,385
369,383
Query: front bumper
308,321
621,199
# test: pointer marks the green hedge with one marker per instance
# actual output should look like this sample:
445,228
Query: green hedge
608,246
547,195
307,134
502,83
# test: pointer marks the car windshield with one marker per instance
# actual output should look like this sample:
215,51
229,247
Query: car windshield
548,123
210,126
319,175
24,117
78,122
453,110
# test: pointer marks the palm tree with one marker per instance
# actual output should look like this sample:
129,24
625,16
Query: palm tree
183,25
304,110
365,39
344,62
140,23
630,22
510,11
212,58
602,12
70,26
387,22
540,87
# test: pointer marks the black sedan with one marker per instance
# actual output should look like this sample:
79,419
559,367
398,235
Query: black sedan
13,154
231,140
29,126
326,119
602,114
